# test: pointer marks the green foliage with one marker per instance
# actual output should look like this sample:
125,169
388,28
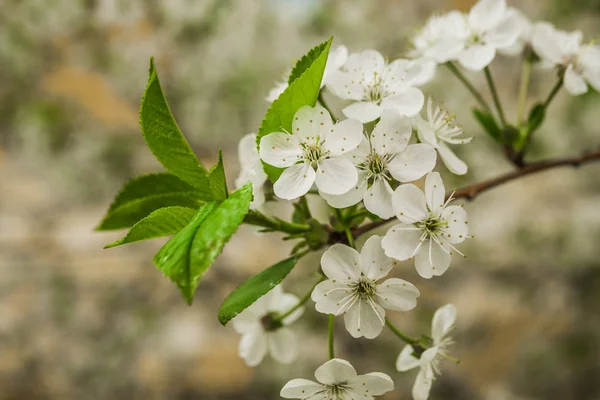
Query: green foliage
166,141
306,61
145,194
536,117
162,222
304,90
186,257
254,288
218,183
487,121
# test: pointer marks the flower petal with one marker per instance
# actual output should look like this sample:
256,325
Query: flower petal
457,229
544,43
246,321
331,297
408,102
443,322
310,122
336,175
343,137
300,389
280,149
432,259
574,83
378,199
295,181
285,303
422,386
413,163
486,14
373,384
401,241
335,371
346,85
253,348
451,161
505,34
283,345
363,111
351,197
392,133
435,192
406,360
397,294
477,57
409,203
365,318
375,264
341,262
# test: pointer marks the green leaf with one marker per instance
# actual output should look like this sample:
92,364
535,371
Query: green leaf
536,117
218,183
165,140
487,121
254,288
186,257
162,222
306,61
303,91
145,194
174,260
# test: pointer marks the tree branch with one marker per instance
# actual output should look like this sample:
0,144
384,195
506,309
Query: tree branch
472,191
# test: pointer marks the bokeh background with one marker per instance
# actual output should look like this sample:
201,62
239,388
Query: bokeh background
79,322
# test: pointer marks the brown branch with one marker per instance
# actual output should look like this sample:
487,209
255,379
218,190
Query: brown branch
472,191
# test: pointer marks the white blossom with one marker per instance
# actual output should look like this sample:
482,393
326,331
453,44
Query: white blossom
315,143
262,332
375,86
429,362
441,38
580,62
428,227
352,288
251,169
439,130
337,380
383,156
276,91
525,28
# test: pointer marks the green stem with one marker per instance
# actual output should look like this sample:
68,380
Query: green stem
490,81
350,237
274,224
525,76
301,302
330,336
401,335
325,106
555,90
468,85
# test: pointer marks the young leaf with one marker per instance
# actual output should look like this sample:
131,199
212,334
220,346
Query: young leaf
306,61
487,121
166,141
218,183
253,289
303,91
145,194
162,222
536,117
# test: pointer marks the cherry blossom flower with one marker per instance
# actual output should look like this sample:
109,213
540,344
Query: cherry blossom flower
386,154
525,27
263,332
439,130
429,361
251,170
428,227
353,288
315,143
441,38
580,62
337,380
375,86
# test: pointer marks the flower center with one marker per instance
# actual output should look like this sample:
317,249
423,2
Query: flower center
270,322
432,225
313,152
376,164
365,287
375,91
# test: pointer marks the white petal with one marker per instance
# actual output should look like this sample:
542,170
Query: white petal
409,203
413,163
350,198
280,149
335,371
457,229
432,259
544,43
392,133
346,85
451,161
378,199
363,111
434,192
336,175
423,383
300,389
574,83
406,361
295,181
248,150
276,91
283,345
246,321
371,63
343,137
253,348
331,297
373,384
425,132
285,303
365,318
341,262
310,122
505,34
336,59
401,241
427,73
409,102
443,322
397,294
477,56
486,14
375,264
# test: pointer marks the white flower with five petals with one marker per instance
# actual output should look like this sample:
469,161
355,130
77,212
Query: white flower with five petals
375,86
263,331
315,143
429,362
441,38
337,380
386,154
251,169
353,288
438,130
428,227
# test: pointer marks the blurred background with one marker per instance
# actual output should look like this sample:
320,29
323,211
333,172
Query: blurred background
79,322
